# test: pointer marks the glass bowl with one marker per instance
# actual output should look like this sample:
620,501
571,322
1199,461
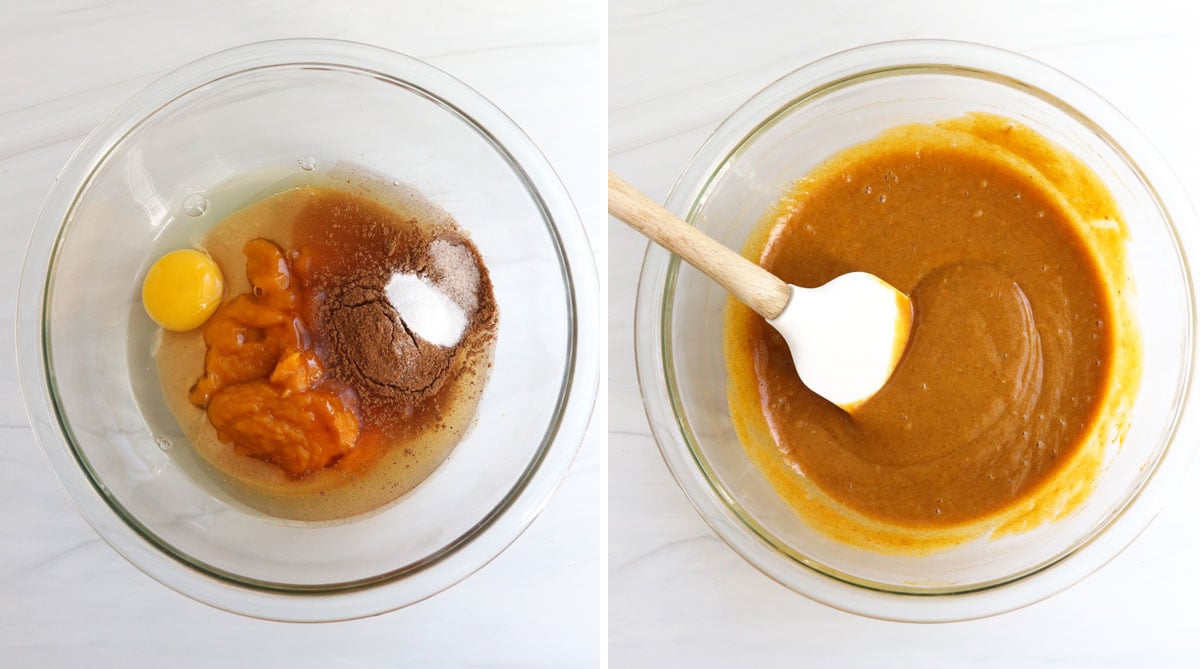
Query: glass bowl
211,138
747,164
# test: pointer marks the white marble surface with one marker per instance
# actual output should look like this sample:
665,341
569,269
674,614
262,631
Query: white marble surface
677,595
66,599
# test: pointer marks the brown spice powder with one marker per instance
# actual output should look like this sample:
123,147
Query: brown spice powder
365,342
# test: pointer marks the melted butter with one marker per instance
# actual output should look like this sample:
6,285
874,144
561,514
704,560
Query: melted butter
1023,360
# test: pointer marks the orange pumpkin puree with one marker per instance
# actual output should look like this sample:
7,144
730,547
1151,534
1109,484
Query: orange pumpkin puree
264,386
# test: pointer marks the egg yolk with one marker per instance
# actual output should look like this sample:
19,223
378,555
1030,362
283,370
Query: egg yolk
182,289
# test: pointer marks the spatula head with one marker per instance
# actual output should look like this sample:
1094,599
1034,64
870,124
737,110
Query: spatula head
846,336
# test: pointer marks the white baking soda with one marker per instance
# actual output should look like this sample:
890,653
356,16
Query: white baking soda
427,311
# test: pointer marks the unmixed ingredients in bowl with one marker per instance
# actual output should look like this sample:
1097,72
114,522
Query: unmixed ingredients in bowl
348,356
1022,361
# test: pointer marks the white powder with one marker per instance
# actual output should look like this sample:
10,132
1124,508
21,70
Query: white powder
429,312
452,268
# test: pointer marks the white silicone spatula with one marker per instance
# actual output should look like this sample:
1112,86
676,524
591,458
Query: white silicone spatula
845,336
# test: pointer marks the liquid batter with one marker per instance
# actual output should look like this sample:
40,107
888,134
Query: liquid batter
1020,348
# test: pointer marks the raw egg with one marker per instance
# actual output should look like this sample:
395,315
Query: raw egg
182,289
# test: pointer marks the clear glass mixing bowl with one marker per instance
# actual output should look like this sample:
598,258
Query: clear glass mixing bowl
746,166
215,136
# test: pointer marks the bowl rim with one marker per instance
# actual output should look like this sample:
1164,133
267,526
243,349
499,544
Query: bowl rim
485,539
653,342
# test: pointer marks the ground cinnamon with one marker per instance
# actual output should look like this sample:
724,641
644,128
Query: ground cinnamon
365,343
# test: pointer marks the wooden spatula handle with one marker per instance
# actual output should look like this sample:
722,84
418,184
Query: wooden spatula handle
754,286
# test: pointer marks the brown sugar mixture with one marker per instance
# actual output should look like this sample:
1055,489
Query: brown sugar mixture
307,390
1010,250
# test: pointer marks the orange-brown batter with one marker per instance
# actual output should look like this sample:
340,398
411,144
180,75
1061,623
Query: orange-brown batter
1007,246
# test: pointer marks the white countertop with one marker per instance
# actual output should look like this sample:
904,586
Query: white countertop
66,598
678,595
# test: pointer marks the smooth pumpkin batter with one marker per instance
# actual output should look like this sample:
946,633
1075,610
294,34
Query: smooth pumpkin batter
1021,357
